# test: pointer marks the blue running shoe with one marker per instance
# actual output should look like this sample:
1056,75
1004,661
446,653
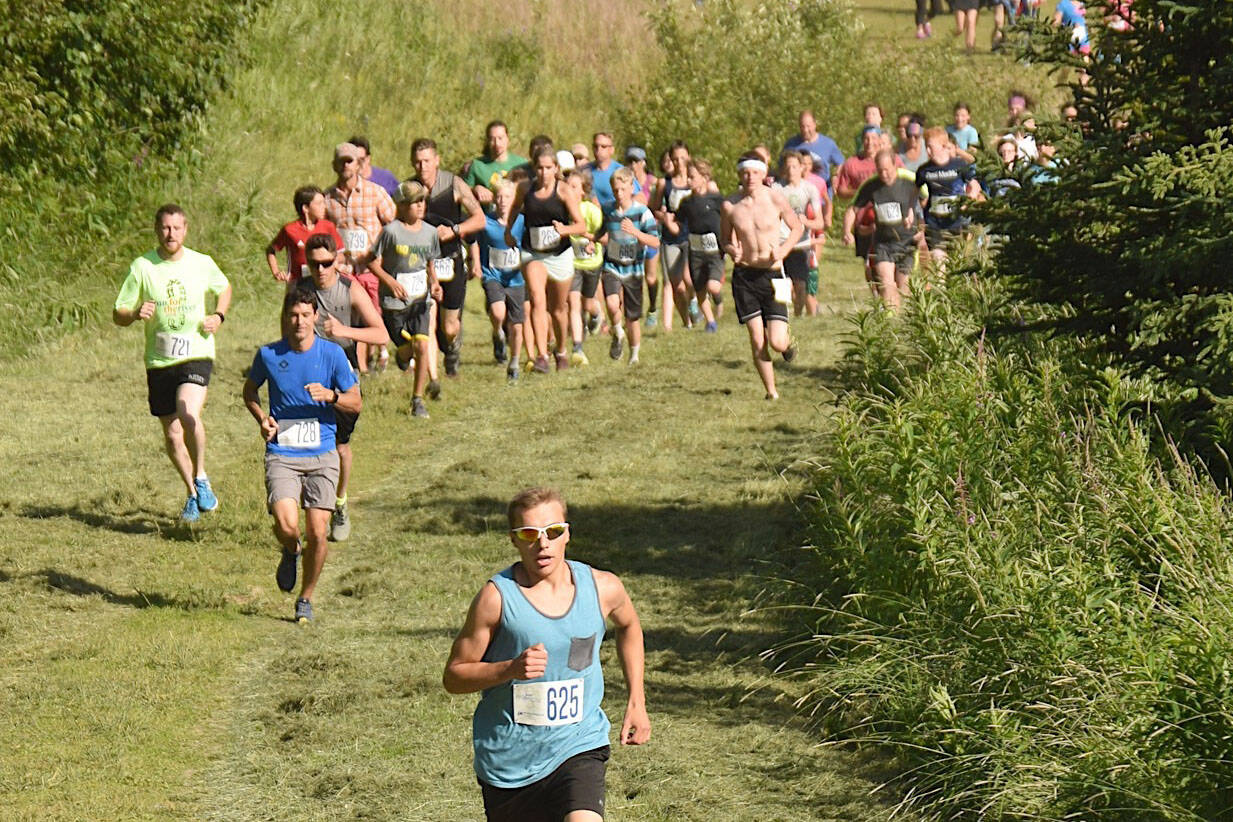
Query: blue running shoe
190,512
303,611
207,500
285,575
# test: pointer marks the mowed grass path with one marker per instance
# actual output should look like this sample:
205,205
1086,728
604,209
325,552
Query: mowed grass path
149,671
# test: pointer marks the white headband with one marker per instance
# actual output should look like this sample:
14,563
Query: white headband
756,165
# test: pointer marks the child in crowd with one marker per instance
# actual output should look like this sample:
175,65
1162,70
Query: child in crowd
629,229
504,288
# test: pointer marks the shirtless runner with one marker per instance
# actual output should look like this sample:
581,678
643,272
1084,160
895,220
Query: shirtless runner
751,235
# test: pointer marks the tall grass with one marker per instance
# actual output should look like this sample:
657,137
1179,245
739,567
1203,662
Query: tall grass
1015,593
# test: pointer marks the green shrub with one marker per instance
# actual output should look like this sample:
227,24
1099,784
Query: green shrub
1015,593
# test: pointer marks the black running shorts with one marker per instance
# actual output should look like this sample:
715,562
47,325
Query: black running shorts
576,785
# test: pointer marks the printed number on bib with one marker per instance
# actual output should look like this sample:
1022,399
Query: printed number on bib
544,238
548,703
622,249
299,433
172,346
782,288
416,283
503,259
706,243
355,240
443,267
942,206
889,213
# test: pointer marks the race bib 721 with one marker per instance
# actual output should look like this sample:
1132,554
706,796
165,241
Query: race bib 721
172,346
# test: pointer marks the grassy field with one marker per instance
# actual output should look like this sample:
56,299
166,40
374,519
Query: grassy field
151,672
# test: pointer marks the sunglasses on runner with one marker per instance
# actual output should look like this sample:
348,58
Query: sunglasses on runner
529,533
322,263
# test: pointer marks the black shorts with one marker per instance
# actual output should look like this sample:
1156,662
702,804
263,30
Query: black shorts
900,252
864,245
414,320
796,265
754,296
630,288
705,267
163,383
965,5
576,785
586,282
344,425
514,296
454,292
941,238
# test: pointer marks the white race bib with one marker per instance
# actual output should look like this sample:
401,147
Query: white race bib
172,346
548,703
416,283
942,206
443,267
677,196
355,240
782,287
889,213
544,238
622,249
706,243
504,259
299,433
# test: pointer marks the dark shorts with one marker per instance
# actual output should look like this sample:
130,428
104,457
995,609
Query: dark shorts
705,267
163,383
941,238
630,288
796,265
514,296
344,425
965,5
864,244
414,320
901,253
586,282
754,296
577,785
454,292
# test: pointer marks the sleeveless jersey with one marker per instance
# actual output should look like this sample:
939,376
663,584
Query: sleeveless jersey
335,302
444,209
673,196
539,213
523,730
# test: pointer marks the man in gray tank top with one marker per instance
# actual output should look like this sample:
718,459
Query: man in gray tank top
345,315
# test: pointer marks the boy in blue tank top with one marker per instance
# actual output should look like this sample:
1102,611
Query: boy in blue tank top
531,644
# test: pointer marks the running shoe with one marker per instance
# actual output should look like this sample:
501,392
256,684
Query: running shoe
633,359
340,524
512,375
579,358
594,325
652,319
452,358
418,409
285,575
928,29
190,512
695,313
206,498
562,361
540,366
712,327
614,350
498,348
789,353
303,611
434,389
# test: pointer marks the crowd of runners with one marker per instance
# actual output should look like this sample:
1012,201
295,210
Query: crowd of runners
566,244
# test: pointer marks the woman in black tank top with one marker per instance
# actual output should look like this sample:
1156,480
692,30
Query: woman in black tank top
551,215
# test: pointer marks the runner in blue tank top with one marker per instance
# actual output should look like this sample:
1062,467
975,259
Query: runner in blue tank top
531,644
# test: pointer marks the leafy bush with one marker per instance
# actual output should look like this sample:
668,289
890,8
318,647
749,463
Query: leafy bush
1016,594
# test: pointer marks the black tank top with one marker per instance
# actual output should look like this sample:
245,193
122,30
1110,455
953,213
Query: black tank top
443,209
537,213
671,202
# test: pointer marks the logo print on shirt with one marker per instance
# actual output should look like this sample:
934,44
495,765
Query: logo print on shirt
283,365
175,309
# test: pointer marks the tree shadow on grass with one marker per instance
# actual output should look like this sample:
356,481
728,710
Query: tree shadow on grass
77,586
139,521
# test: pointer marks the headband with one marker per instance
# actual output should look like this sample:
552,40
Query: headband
756,165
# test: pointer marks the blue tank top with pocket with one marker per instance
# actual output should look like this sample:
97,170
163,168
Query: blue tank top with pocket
523,730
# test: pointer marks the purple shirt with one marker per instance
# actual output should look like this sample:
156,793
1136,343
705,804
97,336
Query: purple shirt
384,178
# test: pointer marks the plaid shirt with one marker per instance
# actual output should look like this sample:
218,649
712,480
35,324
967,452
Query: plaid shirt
369,207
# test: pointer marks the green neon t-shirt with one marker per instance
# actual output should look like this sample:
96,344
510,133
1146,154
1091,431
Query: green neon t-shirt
178,289
487,173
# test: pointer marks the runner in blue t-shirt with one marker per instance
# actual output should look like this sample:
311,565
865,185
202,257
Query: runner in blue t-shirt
309,378
629,229
504,288
810,140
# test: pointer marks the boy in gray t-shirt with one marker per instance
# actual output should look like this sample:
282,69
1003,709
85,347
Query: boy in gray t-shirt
402,259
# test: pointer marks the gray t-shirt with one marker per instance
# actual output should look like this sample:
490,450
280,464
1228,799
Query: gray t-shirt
405,255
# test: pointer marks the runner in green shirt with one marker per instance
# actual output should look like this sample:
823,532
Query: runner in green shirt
484,172
166,289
